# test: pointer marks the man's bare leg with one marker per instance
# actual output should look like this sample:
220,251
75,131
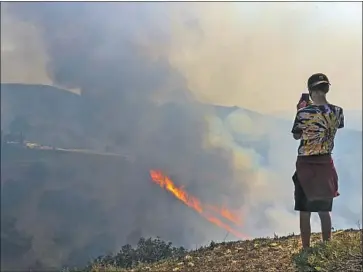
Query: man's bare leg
305,229
325,220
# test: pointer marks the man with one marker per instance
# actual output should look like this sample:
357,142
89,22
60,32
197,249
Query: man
315,179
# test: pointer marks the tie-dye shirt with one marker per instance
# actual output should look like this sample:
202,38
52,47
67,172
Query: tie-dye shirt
318,125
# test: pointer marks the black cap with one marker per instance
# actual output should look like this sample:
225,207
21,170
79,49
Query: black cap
317,79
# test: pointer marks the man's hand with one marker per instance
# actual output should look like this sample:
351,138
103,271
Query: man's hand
301,105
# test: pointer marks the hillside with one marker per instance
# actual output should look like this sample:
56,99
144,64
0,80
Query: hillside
43,191
343,253
46,114
69,175
64,206
36,101
54,116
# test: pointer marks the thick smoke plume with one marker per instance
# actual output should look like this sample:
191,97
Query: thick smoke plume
142,70
229,53
105,52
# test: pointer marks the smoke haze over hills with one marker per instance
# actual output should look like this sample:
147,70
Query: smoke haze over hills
219,48
145,72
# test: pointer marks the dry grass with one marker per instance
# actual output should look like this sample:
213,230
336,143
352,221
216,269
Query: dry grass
343,253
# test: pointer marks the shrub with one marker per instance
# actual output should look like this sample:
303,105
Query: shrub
147,251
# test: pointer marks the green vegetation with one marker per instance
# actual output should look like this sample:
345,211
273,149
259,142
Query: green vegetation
343,253
147,251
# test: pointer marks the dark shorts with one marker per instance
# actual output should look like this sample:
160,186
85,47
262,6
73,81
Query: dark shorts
304,205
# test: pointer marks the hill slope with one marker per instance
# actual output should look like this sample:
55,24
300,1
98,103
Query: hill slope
47,189
343,253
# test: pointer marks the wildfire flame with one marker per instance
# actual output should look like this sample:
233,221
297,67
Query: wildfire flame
204,210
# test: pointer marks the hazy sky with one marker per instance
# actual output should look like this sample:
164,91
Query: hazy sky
262,60
254,55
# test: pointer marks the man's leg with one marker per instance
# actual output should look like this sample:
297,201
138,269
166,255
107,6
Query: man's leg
325,220
305,229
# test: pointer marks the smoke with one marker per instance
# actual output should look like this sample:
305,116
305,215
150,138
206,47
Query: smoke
223,46
249,53
142,70
21,61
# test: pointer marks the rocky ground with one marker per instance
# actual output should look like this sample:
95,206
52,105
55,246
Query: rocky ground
343,253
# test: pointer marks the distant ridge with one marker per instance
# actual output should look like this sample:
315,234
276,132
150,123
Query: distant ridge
32,87
31,94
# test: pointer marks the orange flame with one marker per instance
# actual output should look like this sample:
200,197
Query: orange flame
224,212
191,201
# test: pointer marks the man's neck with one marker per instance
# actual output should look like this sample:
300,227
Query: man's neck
320,102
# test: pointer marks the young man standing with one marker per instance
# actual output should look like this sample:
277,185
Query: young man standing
315,179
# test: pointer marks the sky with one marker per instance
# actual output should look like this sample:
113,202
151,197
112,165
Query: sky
244,54
272,53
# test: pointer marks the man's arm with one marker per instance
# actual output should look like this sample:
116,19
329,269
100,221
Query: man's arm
297,127
341,119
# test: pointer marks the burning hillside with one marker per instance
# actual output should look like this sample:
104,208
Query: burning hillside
205,210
